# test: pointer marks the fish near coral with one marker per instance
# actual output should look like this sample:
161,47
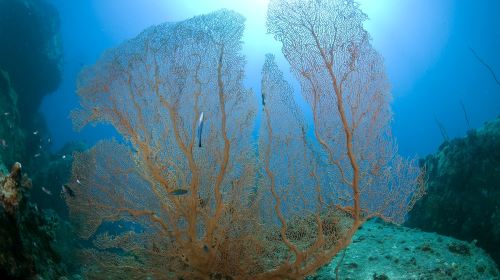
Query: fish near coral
66,190
200,129
45,190
178,192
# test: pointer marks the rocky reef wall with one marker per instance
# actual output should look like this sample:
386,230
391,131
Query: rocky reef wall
30,52
463,189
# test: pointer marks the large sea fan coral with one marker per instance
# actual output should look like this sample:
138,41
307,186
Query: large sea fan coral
160,205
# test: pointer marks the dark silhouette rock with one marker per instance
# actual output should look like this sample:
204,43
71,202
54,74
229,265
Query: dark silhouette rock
26,233
463,190
30,51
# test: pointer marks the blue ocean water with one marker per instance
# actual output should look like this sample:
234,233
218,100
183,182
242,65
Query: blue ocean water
426,47
228,174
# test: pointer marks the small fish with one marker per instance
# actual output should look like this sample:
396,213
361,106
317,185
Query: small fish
200,129
35,132
263,100
37,155
46,191
48,140
178,192
78,181
6,113
156,249
3,143
65,189
202,202
64,157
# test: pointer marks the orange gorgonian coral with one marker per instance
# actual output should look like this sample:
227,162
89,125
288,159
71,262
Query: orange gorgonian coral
275,206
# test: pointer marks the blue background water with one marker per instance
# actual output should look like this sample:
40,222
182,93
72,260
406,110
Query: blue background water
425,44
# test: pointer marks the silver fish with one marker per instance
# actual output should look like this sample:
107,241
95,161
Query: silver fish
65,189
200,129
46,191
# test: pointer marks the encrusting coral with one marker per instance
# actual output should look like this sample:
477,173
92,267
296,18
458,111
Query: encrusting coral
26,233
10,187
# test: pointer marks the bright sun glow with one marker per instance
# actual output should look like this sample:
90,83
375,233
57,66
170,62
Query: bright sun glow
396,27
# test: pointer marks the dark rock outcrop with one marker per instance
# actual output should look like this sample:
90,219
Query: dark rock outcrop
30,52
463,190
26,233
12,138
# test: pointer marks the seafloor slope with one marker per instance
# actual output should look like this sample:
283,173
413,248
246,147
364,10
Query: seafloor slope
381,251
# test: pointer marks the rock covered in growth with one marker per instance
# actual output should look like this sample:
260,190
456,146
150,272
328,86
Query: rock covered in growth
384,251
10,189
11,136
32,51
26,233
463,190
